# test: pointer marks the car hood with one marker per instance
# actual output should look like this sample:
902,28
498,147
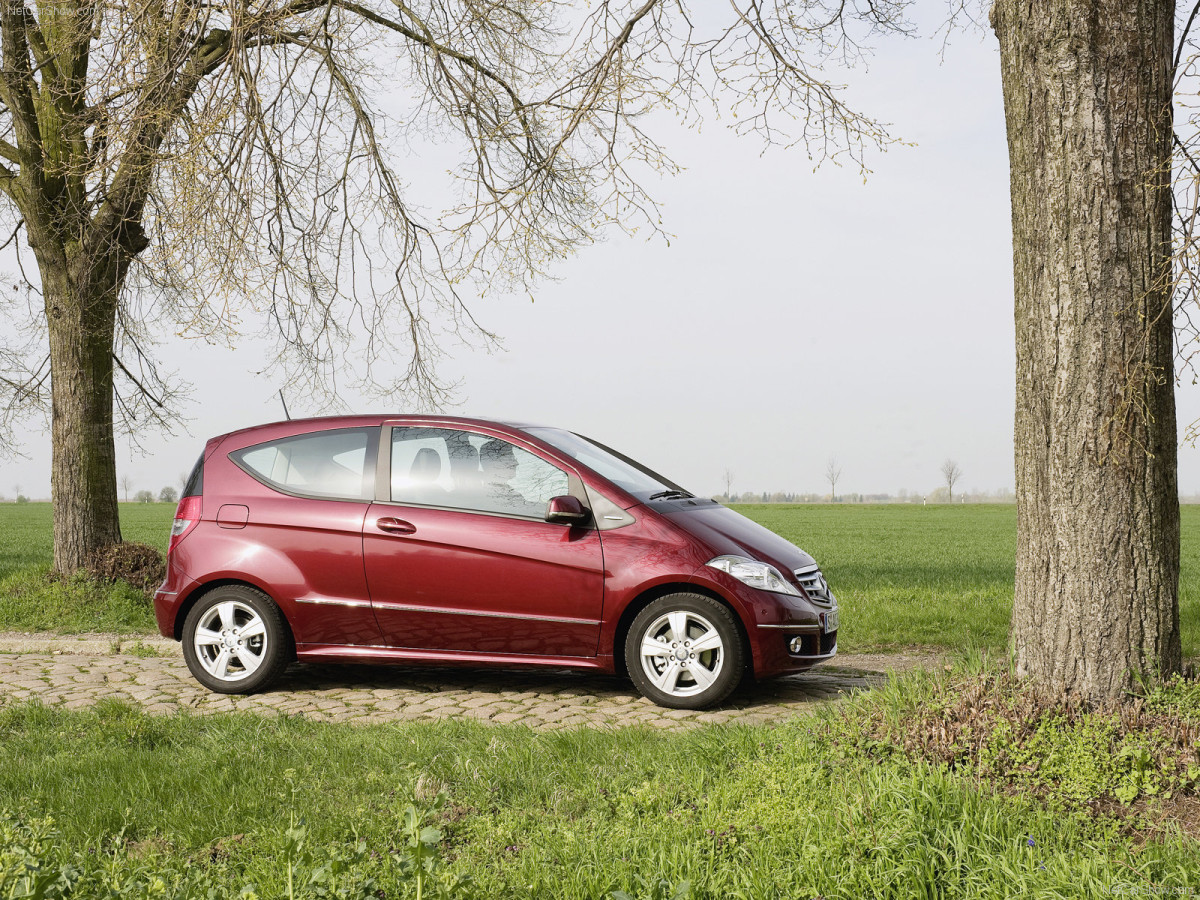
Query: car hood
731,533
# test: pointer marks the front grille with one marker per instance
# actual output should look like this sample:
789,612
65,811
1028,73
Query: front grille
814,585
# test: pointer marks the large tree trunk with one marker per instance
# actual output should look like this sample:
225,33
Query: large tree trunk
81,315
1087,98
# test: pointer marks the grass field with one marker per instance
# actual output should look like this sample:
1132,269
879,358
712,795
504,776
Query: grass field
246,806
178,806
934,575
27,538
909,574
31,602
906,575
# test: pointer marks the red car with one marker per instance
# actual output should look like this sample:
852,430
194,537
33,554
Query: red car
452,541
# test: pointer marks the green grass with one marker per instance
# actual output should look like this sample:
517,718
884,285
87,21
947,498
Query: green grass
27,534
31,601
906,575
153,806
939,576
757,812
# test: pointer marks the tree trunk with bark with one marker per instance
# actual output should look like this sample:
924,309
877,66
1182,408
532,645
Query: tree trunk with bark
81,305
1087,99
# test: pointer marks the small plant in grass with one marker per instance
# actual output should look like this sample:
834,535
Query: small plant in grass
25,870
142,650
655,889
1180,696
342,873
419,857
325,873
992,725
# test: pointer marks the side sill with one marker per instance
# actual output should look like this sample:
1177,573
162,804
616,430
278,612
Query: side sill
317,653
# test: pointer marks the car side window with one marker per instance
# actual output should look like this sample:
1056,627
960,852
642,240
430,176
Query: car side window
332,465
463,470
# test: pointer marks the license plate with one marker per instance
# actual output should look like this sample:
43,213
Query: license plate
830,620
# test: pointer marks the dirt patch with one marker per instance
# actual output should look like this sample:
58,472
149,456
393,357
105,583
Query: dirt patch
883,663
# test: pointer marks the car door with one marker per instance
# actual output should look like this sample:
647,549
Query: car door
296,525
459,557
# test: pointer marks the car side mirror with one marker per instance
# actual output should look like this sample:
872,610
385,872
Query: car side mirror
566,510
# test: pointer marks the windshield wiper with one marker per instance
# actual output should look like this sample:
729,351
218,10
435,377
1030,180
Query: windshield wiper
671,495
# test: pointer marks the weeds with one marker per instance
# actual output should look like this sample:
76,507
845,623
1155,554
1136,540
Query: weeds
138,565
990,725
36,865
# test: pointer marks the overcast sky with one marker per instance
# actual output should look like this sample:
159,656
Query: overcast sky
792,317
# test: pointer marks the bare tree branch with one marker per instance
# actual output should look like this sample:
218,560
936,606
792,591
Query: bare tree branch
222,166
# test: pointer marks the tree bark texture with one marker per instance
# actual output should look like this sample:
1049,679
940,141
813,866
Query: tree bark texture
1087,99
81,304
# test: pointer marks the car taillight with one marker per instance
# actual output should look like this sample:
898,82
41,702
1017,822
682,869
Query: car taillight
187,516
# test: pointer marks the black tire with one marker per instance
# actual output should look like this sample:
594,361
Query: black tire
700,679
250,642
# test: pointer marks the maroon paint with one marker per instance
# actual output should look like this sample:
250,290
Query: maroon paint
382,582
493,584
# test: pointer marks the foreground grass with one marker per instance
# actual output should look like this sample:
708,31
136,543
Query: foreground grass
786,811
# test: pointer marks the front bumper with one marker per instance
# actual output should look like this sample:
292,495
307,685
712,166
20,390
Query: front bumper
793,648
773,620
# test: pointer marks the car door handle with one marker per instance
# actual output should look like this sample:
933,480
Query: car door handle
395,526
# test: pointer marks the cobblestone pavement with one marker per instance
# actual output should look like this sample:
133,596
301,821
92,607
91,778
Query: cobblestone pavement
151,673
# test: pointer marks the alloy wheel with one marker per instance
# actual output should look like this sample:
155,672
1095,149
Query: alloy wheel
682,653
231,641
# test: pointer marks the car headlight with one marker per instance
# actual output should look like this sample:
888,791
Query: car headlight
755,574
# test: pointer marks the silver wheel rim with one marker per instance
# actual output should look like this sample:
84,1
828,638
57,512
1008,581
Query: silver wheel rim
230,641
682,653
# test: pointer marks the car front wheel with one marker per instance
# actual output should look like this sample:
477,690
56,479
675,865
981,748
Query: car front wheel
685,651
235,640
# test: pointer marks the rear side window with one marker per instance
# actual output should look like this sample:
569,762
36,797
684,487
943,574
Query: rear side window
330,465
195,482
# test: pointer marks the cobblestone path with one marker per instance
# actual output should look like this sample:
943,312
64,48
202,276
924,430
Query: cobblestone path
152,674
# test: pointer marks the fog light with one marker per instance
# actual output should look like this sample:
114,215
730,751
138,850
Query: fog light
796,644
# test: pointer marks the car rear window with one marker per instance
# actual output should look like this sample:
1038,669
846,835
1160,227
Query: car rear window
333,465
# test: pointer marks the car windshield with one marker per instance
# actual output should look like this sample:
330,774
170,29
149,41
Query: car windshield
622,471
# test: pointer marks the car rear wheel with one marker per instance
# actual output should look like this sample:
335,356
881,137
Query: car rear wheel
685,651
235,640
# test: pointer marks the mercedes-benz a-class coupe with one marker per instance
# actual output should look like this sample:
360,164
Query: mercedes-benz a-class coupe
452,541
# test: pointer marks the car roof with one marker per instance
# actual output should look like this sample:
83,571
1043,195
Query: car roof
286,427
